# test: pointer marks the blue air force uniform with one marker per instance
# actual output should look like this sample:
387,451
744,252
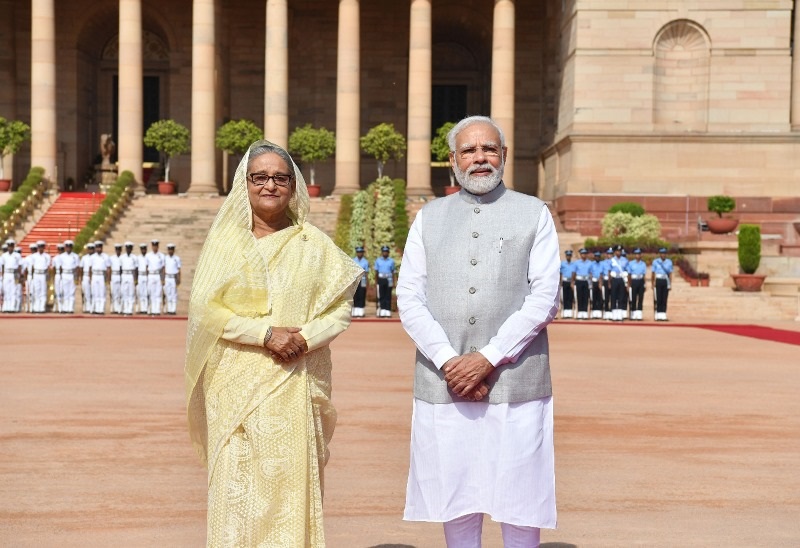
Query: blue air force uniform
618,273
567,293
607,284
596,271
583,276
637,269
360,297
661,275
384,270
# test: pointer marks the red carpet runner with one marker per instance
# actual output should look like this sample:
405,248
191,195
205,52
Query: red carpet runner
757,332
65,218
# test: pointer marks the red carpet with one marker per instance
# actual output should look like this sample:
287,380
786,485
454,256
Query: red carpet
757,332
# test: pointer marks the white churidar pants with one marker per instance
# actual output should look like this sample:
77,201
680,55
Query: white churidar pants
480,458
59,290
98,293
171,293
9,292
116,293
127,291
154,293
465,532
68,293
39,292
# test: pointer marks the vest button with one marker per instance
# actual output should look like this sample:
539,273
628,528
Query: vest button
473,348
472,320
473,262
477,210
474,234
472,290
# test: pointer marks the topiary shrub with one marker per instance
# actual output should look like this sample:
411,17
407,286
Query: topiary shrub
721,204
749,248
631,208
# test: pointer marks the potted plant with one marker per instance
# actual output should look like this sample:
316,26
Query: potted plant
749,259
383,143
312,145
12,134
170,139
235,137
440,150
720,205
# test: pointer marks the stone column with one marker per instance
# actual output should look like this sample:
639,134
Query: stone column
276,74
348,100
503,78
418,167
43,86
204,154
130,132
796,69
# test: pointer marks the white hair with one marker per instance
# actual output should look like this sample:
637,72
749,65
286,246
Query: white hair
468,121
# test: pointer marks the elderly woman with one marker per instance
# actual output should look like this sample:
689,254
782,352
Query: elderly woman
269,294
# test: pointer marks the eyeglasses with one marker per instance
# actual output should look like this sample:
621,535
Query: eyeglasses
260,179
489,150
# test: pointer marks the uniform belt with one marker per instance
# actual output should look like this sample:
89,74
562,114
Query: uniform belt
383,275
613,274
154,274
128,271
662,276
98,272
170,275
595,279
63,271
581,278
637,276
37,271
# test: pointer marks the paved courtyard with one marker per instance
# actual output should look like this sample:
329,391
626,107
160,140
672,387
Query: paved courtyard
665,436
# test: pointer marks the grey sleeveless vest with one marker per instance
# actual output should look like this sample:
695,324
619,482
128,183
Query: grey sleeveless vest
477,250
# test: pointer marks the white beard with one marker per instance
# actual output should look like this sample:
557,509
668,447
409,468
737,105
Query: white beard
479,185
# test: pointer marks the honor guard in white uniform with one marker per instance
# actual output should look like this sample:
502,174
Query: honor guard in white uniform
86,278
25,291
69,270
116,280
10,263
141,279
172,279
101,266
56,265
155,271
3,251
40,264
129,264
661,280
360,297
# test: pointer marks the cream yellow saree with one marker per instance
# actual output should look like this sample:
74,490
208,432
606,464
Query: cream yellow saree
263,427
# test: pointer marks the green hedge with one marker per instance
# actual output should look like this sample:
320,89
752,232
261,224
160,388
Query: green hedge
749,248
342,235
113,195
631,208
400,214
31,182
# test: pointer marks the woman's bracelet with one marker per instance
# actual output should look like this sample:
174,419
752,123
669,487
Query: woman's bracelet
268,336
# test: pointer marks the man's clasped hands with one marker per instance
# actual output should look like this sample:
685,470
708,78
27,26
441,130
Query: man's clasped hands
465,375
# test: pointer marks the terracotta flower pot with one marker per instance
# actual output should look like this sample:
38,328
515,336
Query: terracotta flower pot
722,225
166,187
314,190
451,189
5,185
748,282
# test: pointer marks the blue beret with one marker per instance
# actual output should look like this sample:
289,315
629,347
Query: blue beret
637,250
662,250
597,253
568,252
582,251
360,249
385,248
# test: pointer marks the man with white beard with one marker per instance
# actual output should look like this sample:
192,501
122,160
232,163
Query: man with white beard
69,269
477,289
86,278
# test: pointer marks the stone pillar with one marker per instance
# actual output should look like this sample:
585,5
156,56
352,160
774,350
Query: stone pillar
276,74
130,149
204,154
418,167
348,100
43,86
796,69
503,78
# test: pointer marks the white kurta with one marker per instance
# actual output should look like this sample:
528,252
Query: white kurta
476,457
